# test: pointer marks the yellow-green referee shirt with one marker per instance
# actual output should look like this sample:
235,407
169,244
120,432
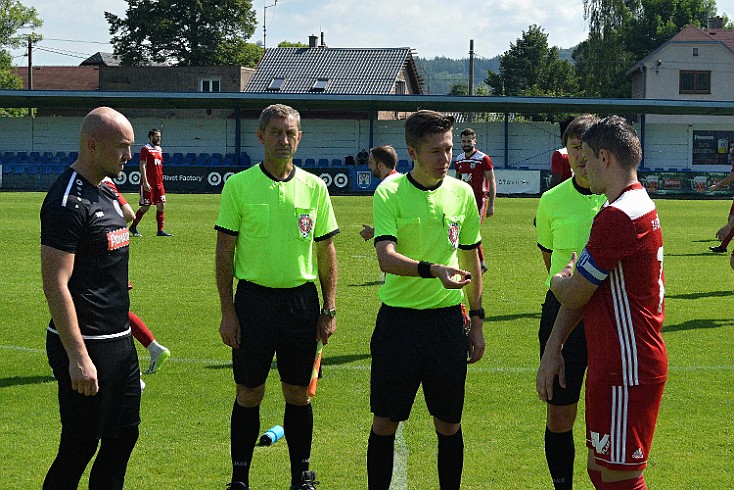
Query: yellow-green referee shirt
425,224
563,221
276,224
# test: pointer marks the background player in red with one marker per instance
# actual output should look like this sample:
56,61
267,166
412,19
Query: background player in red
725,233
560,166
475,168
158,353
617,286
151,183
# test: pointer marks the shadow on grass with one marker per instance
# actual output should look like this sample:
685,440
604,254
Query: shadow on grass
24,380
707,253
507,318
699,295
705,240
365,284
327,361
699,324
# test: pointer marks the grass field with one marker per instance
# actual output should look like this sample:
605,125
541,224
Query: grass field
184,439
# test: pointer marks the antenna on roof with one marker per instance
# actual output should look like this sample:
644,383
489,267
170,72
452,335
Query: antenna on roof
265,29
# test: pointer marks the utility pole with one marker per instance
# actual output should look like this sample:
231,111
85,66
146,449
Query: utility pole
265,29
471,74
30,62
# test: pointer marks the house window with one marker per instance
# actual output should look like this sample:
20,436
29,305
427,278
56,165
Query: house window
276,84
210,85
695,51
694,82
400,87
319,85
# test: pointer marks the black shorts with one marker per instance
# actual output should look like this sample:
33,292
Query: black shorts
281,321
574,354
117,404
410,347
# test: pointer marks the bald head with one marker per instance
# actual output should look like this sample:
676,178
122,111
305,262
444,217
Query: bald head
104,144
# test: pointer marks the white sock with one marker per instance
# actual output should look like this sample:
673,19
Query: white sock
154,347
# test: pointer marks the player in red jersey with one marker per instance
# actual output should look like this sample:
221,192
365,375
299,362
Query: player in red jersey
560,166
151,183
617,286
725,233
158,353
475,168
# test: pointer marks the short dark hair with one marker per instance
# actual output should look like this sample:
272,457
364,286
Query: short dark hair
385,154
618,137
469,132
577,126
277,110
153,131
425,122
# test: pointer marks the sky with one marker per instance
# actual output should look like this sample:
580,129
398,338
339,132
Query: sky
73,31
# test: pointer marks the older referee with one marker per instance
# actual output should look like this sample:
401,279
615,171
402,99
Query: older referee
270,218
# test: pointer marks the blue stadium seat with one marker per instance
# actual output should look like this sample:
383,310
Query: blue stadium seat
297,162
22,155
336,162
215,160
323,162
310,162
404,166
61,154
35,156
202,158
228,159
189,159
75,154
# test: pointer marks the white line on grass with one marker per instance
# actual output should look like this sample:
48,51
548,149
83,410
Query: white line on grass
366,367
400,462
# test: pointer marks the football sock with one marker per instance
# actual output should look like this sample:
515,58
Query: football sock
138,218
140,331
108,470
450,460
380,454
244,432
160,217
559,453
73,456
595,477
155,347
631,484
298,429
728,238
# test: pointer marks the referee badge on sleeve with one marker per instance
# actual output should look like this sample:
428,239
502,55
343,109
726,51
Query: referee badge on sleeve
305,224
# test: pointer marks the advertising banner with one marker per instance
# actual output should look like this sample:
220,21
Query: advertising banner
682,183
712,147
517,181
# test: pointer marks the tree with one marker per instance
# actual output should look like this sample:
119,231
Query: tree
530,67
14,16
197,33
289,44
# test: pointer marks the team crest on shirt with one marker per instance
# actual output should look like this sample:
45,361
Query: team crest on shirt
454,234
305,224
472,165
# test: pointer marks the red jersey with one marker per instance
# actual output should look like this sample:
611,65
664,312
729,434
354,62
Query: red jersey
559,163
153,158
111,184
471,170
623,318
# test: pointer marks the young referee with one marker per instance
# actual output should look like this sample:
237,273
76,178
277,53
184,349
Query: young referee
563,221
426,236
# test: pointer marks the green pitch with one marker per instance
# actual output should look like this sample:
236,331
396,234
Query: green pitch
184,441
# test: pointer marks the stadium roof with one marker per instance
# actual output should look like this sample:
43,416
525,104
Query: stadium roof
360,103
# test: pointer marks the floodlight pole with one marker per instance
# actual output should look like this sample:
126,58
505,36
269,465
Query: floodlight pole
265,29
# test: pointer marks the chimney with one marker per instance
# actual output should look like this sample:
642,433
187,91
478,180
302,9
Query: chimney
323,44
715,23
312,39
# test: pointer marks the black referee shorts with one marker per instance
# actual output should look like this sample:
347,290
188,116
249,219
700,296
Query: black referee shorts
574,354
117,404
410,347
273,320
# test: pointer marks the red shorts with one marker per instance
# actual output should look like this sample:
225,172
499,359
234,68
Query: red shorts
157,194
620,422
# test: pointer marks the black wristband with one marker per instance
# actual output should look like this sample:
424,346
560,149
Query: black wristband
424,269
479,313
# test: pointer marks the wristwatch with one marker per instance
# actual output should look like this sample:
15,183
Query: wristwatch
479,313
328,312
